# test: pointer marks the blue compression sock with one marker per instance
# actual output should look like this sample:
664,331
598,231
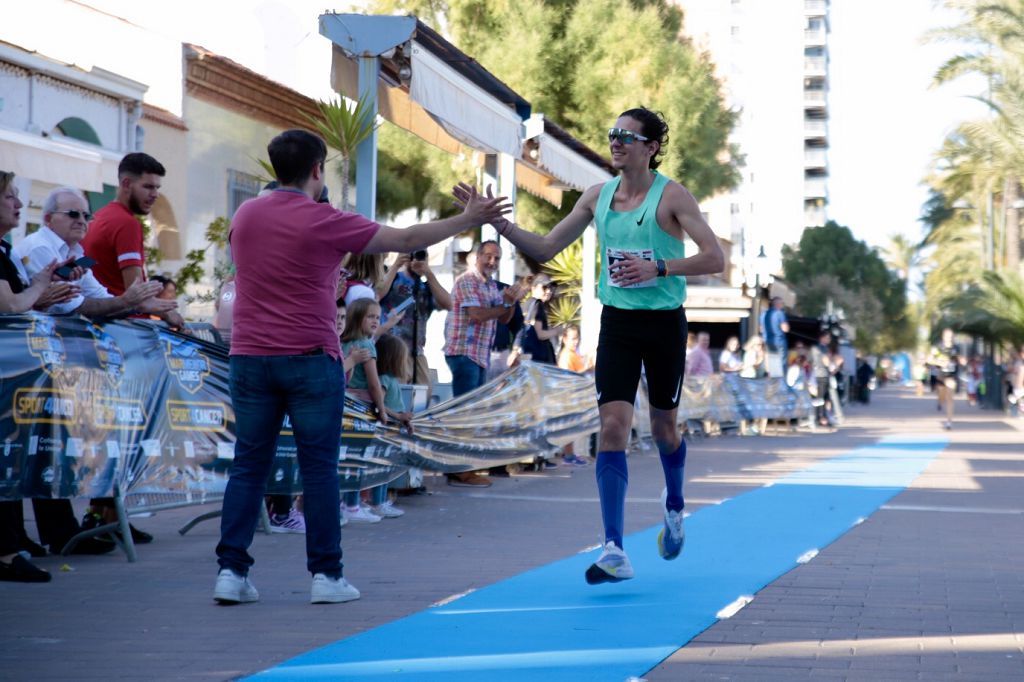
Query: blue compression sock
672,464
612,478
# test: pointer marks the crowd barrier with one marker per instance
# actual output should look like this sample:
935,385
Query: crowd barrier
134,411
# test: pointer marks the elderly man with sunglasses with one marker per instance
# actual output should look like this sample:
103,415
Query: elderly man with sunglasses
642,218
65,222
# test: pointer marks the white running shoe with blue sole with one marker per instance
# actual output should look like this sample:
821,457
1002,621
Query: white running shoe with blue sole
672,536
611,567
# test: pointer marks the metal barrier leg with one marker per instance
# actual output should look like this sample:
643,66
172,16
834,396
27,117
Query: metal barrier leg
265,519
197,520
126,542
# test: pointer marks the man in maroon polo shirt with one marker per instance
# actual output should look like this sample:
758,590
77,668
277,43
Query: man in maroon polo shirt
285,355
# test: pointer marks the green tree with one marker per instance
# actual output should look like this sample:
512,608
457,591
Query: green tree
564,66
830,263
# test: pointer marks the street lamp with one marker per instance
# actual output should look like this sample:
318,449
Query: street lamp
760,271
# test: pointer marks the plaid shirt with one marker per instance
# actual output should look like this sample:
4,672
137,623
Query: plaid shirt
462,335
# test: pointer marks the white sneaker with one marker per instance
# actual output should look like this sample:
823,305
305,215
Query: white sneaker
294,522
388,510
343,519
361,514
672,535
331,590
611,567
232,588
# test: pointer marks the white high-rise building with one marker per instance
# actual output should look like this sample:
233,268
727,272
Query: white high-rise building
772,59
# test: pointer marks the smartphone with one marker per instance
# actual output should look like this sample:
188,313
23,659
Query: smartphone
401,306
83,262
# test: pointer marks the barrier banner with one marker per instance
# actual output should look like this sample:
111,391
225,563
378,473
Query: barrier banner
530,410
730,398
87,409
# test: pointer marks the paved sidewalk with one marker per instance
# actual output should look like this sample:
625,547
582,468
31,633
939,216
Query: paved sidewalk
930,587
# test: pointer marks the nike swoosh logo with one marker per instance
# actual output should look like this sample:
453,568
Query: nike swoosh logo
642,216
599,395
679,387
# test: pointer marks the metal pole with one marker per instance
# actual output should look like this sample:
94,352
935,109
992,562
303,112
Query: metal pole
366,152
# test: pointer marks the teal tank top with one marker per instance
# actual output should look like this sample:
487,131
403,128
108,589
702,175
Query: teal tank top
637,232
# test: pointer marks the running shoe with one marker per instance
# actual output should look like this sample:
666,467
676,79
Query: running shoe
611,567
574,460
361,514
387,510
672,536
292,522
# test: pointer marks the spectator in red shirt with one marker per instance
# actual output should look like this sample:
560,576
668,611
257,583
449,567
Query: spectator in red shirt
115,238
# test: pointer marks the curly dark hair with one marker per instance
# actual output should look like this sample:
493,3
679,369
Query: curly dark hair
653,127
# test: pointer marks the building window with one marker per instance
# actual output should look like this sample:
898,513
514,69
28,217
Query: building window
734,209
241,187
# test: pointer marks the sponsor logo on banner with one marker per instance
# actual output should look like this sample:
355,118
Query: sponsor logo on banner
191,416
44,406
185,362
118,413
45,344
109,354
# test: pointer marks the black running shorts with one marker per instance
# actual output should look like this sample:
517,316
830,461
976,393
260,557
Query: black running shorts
653,339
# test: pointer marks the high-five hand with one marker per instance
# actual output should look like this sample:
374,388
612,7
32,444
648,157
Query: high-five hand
481,209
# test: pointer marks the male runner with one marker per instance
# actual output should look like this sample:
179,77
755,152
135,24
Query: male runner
642,218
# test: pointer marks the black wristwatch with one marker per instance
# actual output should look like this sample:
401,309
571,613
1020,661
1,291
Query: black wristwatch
662,268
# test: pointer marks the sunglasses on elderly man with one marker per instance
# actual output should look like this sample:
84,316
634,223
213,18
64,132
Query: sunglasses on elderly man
625,136
75,215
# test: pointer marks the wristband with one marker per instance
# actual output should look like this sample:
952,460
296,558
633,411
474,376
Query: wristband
662,267
506,305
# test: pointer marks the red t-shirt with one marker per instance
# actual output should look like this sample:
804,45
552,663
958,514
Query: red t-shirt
114,240
287,250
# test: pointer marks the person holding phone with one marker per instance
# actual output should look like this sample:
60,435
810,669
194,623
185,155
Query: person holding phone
66,220
411,282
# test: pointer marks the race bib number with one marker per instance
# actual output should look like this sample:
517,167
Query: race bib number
616,255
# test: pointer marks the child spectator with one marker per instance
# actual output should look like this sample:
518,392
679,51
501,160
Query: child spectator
365,382
392,367
569,357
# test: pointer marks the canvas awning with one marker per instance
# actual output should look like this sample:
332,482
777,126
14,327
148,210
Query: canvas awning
56,161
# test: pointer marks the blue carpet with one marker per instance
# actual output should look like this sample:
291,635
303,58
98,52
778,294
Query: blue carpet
547,624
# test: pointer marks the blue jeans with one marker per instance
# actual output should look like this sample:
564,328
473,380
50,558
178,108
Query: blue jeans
466,374
311,390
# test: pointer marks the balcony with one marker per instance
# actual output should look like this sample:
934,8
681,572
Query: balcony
814,216
815,99
815,128
815,8
815,37
815,189
815,67
815,158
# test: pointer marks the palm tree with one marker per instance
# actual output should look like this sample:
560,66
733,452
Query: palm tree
344,127
995,31
902,255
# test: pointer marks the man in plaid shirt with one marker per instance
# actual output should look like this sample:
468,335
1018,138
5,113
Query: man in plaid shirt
477,307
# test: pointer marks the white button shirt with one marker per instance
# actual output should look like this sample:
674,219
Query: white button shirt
44,246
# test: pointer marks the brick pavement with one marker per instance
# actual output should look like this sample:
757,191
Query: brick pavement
909,594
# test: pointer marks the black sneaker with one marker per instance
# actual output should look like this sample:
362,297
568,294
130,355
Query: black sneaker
94,520
36,551
21,571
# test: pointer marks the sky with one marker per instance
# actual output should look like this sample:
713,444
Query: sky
886,119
